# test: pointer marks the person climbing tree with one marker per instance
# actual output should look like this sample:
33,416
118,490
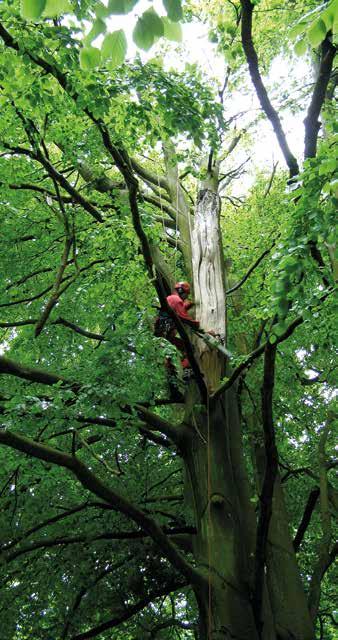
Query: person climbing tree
165,326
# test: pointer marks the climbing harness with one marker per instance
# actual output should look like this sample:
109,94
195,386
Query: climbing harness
164,325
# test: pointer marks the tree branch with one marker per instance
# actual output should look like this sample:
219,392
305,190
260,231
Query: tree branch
125,166
172,622
9,367
311,122
158,181
157,202
305,521
50,287
273,173
46,523
59,178
119,503
249,272
271,469
153,421
47,543
56,288
80,330
130,611
270,112
254,355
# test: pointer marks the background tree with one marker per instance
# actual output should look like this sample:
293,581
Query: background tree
125,512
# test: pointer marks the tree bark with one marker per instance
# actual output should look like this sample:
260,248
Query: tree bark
221,551
208,276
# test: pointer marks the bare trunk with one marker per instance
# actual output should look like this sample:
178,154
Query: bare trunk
208,275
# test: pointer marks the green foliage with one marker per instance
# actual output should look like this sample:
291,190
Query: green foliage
32,9
89,58
172,30
148,27
77,574
173,9
313,27
114,48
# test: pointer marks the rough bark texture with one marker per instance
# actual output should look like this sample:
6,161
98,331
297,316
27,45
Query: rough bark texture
285,588
221,552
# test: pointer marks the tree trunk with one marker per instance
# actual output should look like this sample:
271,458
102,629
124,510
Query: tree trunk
208,277
217,486
286,592
221,550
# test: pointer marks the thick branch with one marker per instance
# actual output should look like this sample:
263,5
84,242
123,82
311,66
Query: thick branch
270,112
271,469
93,483
47,543
154,421
311,122
158,181
305,521
41,376
157,202
125,166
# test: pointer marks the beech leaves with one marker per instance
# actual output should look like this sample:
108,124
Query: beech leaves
148,28
313,27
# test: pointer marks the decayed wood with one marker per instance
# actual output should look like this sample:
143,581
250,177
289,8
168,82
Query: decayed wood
208,270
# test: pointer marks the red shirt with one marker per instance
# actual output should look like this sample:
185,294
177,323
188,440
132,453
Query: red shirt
180,307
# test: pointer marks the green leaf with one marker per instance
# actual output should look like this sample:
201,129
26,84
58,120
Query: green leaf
32,9
102,12
148,27
172,30
173,9
55,8
90,58
297,30
279,329
330,16
317,32
300,47
114,47
117,7
98,27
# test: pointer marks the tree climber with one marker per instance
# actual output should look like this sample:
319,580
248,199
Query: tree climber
165,326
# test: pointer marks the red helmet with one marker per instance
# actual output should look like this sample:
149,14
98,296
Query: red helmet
182,287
